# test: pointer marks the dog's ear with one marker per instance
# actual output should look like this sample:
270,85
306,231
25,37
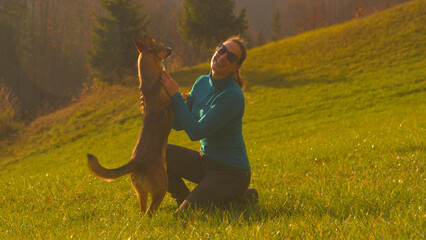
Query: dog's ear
139,44
149,42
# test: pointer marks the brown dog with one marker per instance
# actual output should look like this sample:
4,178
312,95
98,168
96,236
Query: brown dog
147,164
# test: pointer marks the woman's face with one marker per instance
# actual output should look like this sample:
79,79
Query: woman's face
220,64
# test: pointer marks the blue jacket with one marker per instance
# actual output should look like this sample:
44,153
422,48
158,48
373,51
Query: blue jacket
213,114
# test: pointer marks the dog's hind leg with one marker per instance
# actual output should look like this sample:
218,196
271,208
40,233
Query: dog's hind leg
158,179
157,197
140,191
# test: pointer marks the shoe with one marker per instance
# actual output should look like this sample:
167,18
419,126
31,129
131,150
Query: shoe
178,203
251,196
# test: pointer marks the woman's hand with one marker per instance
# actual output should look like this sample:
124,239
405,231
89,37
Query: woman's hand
142,98
169,84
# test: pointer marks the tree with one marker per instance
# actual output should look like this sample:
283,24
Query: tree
113,54
260,40
13,18
206,23
309,14
276,27
9,111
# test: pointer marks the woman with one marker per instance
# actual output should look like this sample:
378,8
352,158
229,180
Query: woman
212,114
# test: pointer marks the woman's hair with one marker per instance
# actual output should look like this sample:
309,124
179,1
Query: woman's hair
242,44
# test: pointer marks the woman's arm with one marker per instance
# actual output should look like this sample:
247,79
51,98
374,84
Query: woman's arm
172,88
176,126
226,107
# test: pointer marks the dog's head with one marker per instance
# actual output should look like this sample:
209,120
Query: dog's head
151,47
151,55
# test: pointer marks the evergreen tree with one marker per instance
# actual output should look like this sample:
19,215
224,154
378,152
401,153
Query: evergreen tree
208,22
260,40
113,53
276,28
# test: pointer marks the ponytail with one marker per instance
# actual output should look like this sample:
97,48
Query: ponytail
242,44
239,80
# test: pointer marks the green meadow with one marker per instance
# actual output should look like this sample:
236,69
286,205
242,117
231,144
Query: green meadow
335,128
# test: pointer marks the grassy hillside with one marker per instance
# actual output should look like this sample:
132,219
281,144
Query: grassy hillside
335,131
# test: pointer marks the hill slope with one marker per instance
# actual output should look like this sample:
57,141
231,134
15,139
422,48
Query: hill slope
334,127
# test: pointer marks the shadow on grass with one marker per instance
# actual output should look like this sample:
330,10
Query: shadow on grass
247,214
281,80
187,77
259,213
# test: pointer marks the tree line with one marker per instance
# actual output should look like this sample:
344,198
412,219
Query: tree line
50,48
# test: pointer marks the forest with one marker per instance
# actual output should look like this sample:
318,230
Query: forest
45,44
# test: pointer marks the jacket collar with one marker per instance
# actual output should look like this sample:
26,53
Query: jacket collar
217,84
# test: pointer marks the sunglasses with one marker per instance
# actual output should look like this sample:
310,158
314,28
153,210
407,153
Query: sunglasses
221,49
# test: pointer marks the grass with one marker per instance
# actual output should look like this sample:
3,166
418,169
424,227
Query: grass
335,133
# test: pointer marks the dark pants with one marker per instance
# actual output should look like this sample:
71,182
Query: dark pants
217,183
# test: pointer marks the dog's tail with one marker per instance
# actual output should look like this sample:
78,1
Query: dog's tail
108,174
